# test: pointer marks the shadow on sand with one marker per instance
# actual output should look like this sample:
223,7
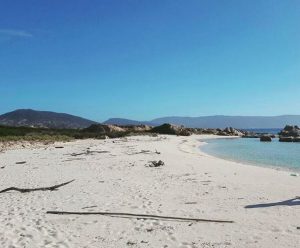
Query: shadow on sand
291,202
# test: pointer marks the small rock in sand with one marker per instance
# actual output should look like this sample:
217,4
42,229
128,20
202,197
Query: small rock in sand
156,163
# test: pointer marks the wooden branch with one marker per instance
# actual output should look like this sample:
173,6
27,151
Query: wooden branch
55,187
141,152
144,152
22,162
139,216
88,152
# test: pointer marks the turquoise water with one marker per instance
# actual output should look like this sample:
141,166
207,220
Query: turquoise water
275,154
264,130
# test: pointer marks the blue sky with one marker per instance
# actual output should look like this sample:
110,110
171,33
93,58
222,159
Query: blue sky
144,59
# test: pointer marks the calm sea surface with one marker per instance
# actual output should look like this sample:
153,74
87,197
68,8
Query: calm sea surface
275,153
266,130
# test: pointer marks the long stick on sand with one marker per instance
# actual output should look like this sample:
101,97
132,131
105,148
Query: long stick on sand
51,188
139,216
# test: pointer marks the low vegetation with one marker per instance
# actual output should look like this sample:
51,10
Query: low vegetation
8,133
35,134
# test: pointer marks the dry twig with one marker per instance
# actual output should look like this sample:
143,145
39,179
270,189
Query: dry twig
139,216
52,188
88,152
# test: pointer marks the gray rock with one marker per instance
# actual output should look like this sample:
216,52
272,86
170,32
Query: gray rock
102,131
265,138
297,139
286,139
171,129
288,131
230,131
290,134
156,163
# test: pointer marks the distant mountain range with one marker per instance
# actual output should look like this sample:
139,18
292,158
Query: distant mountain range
121,121
218,121
33,118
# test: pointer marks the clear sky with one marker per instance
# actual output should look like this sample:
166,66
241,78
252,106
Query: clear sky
143,59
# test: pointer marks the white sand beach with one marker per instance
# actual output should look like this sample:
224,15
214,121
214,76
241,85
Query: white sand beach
114,177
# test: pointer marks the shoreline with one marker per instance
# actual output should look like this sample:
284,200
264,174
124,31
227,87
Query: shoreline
114,176
244,162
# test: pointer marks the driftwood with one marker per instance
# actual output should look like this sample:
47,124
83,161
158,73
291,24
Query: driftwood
52,188
144,152
141,152
88,152
138,216
22,162
94,206
188,203
74,159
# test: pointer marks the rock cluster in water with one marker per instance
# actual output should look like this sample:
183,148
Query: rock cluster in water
290,134
265,138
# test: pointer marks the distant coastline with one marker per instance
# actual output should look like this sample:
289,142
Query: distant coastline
36,118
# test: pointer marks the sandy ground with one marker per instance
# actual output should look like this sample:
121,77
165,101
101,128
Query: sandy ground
190,184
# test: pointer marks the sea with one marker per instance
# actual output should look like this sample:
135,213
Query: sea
264,130
252,151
